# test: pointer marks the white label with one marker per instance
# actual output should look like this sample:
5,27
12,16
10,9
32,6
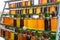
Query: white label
35,2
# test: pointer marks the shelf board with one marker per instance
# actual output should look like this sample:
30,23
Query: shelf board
55,3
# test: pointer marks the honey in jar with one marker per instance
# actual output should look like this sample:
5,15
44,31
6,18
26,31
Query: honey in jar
11,36
7,35
26,22
33,37
11,21
13,12
29,3
30,23
23,3
18,22
21,37
57,0
52,9
6,19
35,25
24,11
2,33
44,1
30,10
38,10
12,5
41,22
54,23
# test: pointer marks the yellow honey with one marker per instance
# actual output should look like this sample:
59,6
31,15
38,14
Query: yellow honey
31,11
30,23
35,24
57,0
11,36
44,1
54,23
12,11
38,10
24,11
18,22
29,3
40,24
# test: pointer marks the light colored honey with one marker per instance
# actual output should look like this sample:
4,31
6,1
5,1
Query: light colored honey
18,22
12,11
38,10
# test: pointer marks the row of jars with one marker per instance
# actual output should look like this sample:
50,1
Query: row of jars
31,3
27,35
39,23
35,10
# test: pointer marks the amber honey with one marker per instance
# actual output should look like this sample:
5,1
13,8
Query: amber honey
54,23
12,5
6,19
12,11
26,22
52,9
44,1
23,3
21,37
57,0
34,38
2,33
40,24
7,35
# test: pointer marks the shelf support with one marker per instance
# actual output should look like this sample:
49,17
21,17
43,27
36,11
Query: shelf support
58,27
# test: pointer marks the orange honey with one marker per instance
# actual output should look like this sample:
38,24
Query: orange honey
54,22
44,1
26,22
40,24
